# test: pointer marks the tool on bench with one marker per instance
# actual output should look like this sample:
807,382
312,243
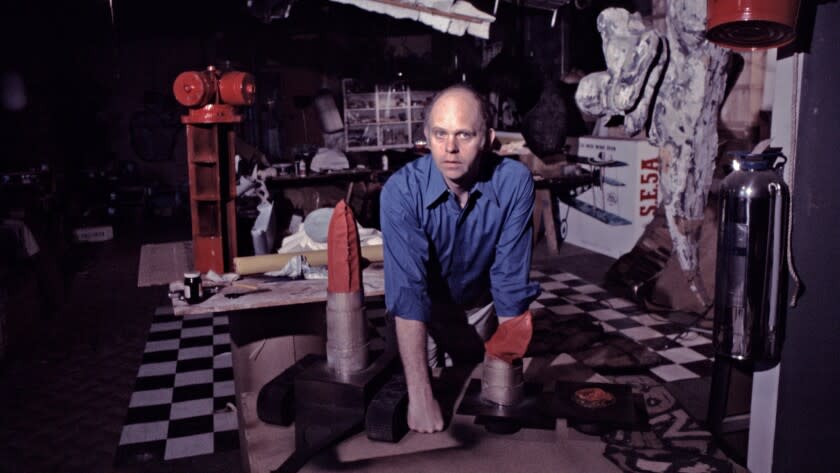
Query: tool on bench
236,295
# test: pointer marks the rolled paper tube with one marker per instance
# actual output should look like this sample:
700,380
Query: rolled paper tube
344,267
502,382
510,342
245,265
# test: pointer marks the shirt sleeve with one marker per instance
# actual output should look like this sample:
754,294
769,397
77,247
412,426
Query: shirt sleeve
510,281
406,253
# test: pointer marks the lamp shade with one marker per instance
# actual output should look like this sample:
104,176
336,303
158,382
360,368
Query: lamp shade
752,24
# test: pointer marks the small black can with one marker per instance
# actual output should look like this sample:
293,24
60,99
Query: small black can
193,292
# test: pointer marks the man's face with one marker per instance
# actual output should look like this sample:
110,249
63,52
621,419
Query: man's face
456,137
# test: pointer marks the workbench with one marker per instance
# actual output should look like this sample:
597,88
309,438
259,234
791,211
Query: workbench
329,177
359,184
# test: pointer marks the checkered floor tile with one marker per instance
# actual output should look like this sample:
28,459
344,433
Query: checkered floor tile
179,407
684,354
185,383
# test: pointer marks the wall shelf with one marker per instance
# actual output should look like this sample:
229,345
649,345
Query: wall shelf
394,121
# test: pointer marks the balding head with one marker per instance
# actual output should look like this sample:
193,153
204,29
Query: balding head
458,133
478,101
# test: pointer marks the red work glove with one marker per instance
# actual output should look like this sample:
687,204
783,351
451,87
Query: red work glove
511,338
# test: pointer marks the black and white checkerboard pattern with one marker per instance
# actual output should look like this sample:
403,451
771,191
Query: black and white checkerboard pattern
184,386
684,354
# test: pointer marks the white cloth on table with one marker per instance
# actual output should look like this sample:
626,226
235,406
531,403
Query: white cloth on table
329,159
301,241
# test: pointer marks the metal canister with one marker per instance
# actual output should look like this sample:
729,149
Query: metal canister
347,340
502,382
751,274
300,168
193,292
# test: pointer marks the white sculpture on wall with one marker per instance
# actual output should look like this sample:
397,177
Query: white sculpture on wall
683,77
635,56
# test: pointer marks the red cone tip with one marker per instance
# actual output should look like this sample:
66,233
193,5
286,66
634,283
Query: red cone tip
344,268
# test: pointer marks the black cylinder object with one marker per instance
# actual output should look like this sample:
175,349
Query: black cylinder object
193,293
751,275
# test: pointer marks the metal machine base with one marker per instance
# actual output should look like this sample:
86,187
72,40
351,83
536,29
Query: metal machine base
531,412
330,407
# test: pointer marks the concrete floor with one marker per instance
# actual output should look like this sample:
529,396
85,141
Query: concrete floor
65,398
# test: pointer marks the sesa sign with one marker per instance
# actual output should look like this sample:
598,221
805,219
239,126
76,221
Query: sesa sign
648,186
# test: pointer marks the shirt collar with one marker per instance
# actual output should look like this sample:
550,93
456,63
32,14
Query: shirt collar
436,186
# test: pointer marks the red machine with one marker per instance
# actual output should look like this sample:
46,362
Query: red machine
211,97
752,24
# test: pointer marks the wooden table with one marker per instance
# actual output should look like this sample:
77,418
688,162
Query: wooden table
313,178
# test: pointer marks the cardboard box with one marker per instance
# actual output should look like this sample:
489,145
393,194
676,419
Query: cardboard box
610,218
264,447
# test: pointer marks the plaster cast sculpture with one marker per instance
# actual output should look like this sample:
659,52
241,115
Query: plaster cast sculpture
634,57
685,84
684,127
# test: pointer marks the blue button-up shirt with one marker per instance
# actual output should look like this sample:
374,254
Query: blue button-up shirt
437,251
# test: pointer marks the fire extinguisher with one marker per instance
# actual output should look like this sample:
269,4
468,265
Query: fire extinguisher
752,271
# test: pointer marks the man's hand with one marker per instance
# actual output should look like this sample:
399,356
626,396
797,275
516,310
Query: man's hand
423,409
424,413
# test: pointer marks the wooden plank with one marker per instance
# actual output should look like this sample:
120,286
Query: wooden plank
164,262
276,293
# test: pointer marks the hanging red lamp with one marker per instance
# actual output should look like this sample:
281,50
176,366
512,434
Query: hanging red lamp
752,24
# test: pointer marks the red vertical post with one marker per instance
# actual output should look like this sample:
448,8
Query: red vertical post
211,97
